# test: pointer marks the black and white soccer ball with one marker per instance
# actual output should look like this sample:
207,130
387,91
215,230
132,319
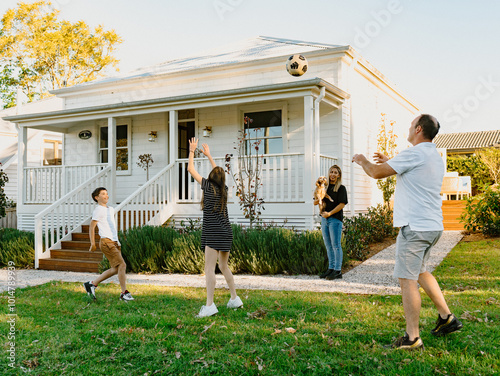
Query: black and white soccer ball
296,65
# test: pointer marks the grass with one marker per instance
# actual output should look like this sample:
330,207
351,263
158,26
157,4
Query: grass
59,331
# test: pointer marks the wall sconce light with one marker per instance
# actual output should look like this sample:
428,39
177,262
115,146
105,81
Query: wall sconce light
152,136
207,131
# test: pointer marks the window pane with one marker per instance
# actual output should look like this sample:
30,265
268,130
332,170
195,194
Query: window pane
121,159
121,135
48,154
104,138
273,146
186,114
104,156
264,119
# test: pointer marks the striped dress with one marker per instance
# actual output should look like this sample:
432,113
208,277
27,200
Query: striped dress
216,230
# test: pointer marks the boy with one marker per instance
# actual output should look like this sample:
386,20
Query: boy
104,217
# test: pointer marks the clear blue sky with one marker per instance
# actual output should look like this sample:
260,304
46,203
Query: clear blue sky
443,55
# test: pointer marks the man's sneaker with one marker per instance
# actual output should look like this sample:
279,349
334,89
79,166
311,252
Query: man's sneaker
326,273
90,288
447,325
404,343
336,274
208,311
126,296
235,303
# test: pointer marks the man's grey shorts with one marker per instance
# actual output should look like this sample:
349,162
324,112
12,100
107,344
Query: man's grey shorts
412,251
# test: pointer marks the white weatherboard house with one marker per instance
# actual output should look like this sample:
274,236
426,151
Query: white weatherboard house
308,123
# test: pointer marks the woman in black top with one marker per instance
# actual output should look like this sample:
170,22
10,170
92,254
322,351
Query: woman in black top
216,233
331,222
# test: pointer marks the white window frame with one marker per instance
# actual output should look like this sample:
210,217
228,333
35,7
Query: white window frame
264,107
119,121
56,151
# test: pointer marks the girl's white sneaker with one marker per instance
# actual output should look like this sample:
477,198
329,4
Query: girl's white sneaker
208,311
235,303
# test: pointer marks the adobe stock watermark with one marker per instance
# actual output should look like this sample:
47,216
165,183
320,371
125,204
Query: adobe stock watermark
223,6
11,316
380,20
471,103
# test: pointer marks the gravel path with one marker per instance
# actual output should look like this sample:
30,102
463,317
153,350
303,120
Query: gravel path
373,276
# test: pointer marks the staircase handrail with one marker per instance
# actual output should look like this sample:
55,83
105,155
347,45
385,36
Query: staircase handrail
72,218
147,211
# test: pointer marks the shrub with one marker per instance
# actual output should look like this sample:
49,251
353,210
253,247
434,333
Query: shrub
17,246
264,249
363,229
482,212
474,167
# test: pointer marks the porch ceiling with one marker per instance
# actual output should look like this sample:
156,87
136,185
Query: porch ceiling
60,121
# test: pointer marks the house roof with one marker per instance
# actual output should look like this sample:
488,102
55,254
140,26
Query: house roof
468,140
251,49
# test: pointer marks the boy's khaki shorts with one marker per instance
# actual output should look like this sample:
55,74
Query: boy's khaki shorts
112,251
412,251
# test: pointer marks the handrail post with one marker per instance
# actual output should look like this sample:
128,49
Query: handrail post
38,241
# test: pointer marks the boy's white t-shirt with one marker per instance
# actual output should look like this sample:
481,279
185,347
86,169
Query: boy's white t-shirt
105,217
417,201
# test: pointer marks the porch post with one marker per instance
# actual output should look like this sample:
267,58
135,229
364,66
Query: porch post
172,136
112,160
308,183
22,148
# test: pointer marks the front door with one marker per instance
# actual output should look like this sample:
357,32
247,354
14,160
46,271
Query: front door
185,131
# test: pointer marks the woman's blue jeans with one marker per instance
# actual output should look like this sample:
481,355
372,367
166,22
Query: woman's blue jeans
332,233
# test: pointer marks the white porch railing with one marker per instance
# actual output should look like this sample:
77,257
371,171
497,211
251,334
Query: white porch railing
281,178
49,183
151,204
325,162
66,214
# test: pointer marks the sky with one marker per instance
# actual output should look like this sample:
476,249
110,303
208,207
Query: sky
443,55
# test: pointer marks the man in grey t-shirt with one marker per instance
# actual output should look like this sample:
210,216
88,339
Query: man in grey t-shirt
417,211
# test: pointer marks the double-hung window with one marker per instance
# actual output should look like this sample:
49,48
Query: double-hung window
122,147
266,127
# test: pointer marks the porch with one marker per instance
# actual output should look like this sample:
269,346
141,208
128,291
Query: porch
56,201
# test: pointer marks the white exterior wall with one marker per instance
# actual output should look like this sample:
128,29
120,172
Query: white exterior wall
370,99
81,152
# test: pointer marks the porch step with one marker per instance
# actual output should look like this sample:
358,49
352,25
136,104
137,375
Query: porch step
69,265
77,244
84,236
85,229
76,254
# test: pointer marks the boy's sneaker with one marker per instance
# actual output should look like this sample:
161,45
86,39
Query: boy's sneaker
404,343
90,288
208,311
235,303
126,296
447,325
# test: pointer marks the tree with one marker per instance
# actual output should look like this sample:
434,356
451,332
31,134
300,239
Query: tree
247,177
386,144
491,158
39,53
3,198
145,162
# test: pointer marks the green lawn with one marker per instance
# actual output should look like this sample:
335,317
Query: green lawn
60,331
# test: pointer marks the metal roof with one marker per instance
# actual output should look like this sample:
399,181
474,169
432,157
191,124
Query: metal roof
468,140
251,49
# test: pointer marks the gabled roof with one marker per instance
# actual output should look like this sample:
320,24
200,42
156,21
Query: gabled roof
468,140
251,49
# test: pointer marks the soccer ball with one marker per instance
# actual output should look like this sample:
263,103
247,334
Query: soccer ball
296,65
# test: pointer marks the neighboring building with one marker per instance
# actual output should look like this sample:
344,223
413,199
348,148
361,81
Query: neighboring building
44,147
467,143
307,124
